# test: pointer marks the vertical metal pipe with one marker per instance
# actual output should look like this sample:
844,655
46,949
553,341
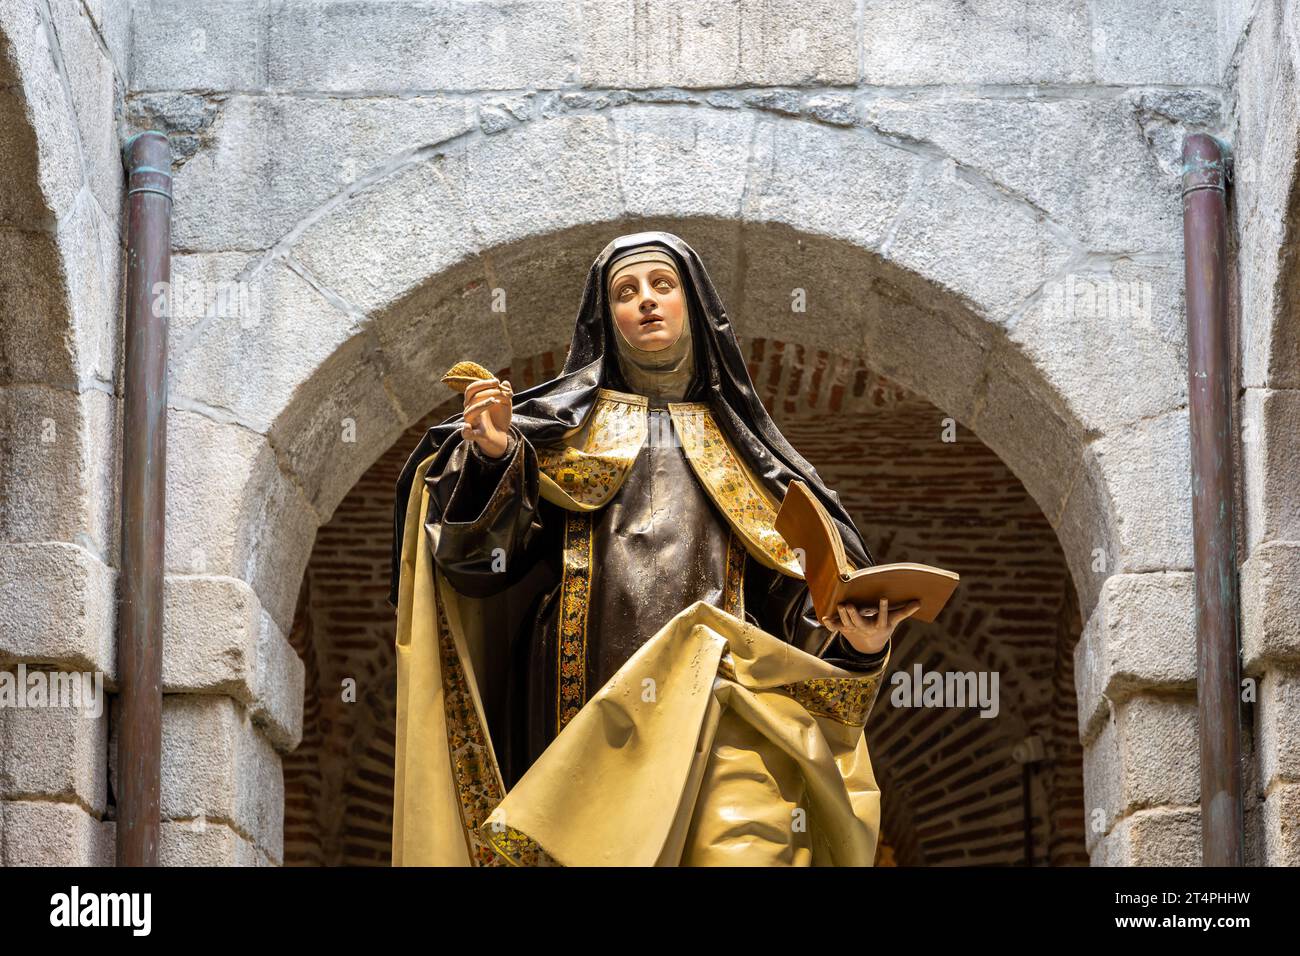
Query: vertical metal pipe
1209,384
147,157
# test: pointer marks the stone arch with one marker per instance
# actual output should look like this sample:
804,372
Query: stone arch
366,297
945,281
955,791
60,198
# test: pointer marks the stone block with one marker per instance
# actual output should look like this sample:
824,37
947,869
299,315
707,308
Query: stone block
1147,756
268,163
1141,635
56,752
992,250
1271,467
1172,42
1279,728
933,42
713,43
59,607
1156,837
1270,605
47,833
219,769
839,183
681,160
403,46
252,345
219,45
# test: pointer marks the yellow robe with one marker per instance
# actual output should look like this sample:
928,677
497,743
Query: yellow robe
717,743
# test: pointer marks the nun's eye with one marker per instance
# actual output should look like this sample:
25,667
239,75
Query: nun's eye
664,284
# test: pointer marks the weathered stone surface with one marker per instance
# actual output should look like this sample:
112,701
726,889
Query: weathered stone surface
542,178
1279,723
217,766
273,329
1141,635
210,631
1014,416
220,45
1146,756
682,160
89,77
1185,51
1112,341
269,162
1156,837
401,46
46,105
1270,423
59,607
58,467
1045,150
910,43
965,236
376,247
1282,826
265,540
1270,605
1147,476
46,833
34,344
56,752
705,43
839,183
341,421
277,706
201,842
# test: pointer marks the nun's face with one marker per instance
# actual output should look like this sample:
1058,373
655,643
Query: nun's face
649,304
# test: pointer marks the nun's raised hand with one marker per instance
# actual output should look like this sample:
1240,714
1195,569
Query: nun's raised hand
867,630
488,409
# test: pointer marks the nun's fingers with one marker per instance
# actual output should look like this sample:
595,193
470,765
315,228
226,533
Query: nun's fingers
860,621
481,389
473,412
906,611
844,617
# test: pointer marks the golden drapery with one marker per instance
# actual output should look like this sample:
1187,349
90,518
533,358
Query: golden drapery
716,743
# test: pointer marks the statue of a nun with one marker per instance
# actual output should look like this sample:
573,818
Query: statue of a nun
607,655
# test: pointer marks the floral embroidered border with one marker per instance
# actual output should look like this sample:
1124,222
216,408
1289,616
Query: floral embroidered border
590,465
733,593
746,503
479,787
847,700
575,595
515,848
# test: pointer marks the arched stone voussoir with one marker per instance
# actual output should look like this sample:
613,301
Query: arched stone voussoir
233,510
244,340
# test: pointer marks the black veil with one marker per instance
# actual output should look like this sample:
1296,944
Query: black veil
547,411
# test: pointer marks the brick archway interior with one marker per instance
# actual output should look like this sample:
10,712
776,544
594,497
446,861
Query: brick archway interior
953,792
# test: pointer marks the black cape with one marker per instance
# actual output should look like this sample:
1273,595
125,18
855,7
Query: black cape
549,410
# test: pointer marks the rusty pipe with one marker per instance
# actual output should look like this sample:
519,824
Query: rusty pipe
147,157
1209,384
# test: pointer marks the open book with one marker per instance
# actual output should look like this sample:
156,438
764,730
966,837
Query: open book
832,580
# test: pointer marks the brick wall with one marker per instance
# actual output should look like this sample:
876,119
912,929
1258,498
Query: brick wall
952,792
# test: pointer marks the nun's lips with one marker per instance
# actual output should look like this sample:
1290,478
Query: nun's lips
651,318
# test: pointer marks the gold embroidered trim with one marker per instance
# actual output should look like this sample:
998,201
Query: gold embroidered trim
479,787
575,595
746,503
516,848
733,592
583,472
847,700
